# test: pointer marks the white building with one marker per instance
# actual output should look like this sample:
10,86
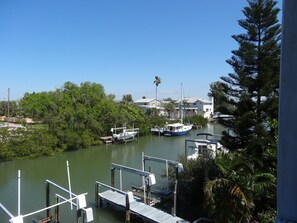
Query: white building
195,106
192,106
150,103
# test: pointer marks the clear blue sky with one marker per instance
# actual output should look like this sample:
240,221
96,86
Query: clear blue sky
121,44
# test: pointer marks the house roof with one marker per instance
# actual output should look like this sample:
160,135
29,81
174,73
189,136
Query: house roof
144,100
187,99
195,99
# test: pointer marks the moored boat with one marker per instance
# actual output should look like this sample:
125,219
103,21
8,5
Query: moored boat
176,129
207,139
206,143
125,135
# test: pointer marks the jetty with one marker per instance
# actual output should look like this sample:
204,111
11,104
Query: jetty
127,201
107,139
132,205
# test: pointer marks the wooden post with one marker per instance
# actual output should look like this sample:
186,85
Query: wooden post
97,194
143,179
176,189
127,209
83,216
57,213
186,148
47,199
174,198
148,200
79,216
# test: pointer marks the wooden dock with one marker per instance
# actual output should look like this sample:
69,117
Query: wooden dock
107,139
119,198
139,208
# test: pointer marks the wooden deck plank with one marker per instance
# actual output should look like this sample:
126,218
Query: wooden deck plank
114,197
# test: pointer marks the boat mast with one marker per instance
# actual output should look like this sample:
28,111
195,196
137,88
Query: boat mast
8,107
181,104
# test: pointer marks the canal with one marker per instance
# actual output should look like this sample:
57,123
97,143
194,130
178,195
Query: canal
86,167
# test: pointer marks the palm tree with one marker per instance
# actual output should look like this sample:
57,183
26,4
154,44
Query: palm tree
229,197
157,81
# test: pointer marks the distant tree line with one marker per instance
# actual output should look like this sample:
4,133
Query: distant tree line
73,117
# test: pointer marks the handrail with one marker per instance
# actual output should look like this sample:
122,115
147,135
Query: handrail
110,187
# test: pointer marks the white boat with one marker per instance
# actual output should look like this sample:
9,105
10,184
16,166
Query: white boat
206,143
125,135
176,129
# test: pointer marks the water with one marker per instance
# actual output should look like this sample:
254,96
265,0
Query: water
86,167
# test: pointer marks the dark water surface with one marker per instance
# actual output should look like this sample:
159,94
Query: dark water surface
86,167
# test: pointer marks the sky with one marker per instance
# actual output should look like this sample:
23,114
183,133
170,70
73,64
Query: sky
120,44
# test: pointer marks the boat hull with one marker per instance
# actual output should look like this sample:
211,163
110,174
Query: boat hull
124,137
168,133
177,129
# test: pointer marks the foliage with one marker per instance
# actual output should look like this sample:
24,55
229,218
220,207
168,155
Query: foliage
236,193
220,98
11,105
157,81
132,117
267,216
245,188
26,143
127,98
72,117
251,91
191,181
198,120
169,106
229,196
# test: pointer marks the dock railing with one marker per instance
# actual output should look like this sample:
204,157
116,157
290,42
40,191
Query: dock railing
128,197
99,185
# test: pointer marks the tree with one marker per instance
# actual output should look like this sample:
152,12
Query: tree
251,91
157,81
169,106
235,196
216,91
127,98
246,183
